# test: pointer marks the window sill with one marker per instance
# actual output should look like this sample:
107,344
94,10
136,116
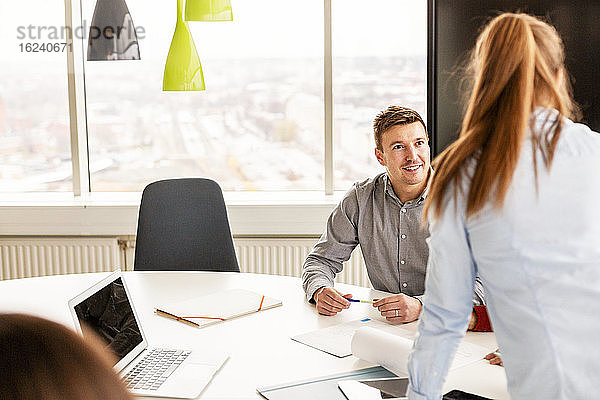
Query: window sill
115,214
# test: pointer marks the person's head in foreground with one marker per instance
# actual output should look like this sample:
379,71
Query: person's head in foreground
43,360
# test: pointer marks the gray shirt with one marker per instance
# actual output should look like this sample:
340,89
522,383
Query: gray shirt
391,237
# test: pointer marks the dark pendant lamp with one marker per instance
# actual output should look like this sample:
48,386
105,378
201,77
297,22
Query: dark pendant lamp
208,10
112,33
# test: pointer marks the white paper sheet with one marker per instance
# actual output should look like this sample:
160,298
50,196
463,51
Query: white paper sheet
391,351
337,339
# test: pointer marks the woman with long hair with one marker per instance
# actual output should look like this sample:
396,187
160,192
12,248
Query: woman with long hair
516,200
43,360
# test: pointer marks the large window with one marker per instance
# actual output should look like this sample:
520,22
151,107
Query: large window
260,123
379,59
34,115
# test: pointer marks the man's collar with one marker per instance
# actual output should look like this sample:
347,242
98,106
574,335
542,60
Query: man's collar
389,189
429,181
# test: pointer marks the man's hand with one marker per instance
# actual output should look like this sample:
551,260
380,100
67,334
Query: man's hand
329,301
399,308
494,358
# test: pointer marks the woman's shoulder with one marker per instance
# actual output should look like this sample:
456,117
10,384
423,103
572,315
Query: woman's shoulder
579,139
575,138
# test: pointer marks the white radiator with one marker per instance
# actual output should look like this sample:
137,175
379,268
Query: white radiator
286,256
28,257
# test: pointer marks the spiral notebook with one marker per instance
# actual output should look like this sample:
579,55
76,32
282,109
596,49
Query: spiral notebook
218,307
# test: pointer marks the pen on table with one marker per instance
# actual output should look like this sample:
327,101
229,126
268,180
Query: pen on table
175,317
361,301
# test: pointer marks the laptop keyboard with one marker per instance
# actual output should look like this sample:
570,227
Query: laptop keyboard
154,369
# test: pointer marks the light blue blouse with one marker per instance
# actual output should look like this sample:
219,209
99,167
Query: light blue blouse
539,261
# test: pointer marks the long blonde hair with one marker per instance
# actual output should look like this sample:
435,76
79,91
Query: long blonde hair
517,64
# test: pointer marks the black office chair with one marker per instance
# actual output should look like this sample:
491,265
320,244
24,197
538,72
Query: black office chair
183,225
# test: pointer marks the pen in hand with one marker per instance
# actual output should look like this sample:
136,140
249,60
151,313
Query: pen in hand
361,301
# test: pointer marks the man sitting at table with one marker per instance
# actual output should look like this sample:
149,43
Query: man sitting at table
383,215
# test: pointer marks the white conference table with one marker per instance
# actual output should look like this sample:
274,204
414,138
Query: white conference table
261,351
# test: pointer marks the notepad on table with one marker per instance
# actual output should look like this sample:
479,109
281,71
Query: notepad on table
218,307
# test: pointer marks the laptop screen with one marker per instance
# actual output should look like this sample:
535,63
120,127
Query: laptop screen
108,314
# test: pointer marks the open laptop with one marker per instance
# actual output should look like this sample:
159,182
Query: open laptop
106,310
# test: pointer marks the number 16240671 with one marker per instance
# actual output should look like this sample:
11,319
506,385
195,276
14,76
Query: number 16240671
44,47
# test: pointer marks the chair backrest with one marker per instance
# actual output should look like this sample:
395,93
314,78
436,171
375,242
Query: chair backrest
183,225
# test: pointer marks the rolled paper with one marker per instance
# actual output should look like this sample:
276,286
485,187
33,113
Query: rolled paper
379,347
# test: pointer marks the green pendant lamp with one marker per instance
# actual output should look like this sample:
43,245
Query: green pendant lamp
183,70
208,10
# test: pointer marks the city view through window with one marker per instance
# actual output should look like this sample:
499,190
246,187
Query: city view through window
34,108
257,126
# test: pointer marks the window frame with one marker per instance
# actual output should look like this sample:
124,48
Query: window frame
77,101
83,212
